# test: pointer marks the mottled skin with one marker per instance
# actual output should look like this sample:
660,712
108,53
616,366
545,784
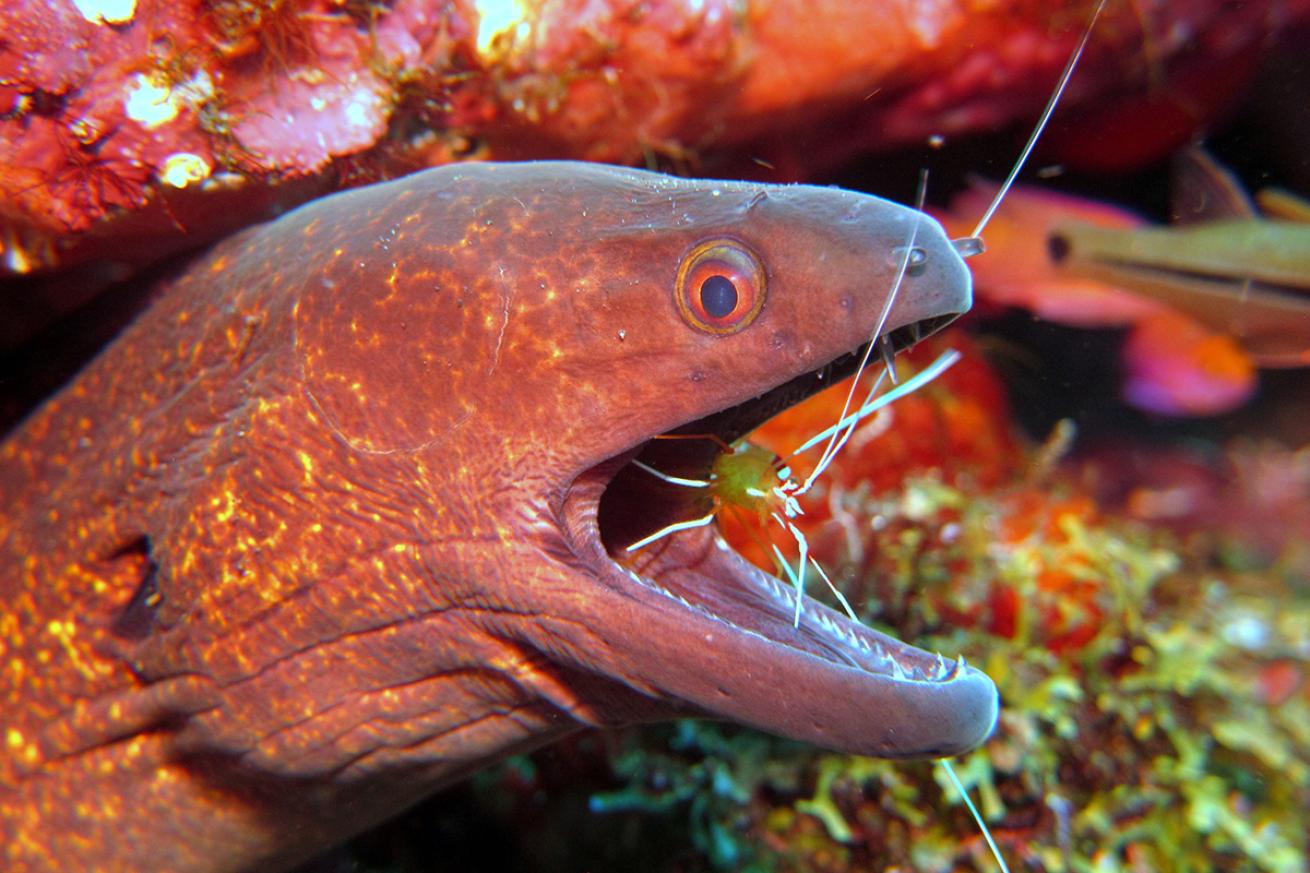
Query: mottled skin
317,534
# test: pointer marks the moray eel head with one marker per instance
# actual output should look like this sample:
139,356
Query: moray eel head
480,352
670,349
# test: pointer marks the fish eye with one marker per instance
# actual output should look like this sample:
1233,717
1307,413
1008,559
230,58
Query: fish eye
720,286
914,258
1057,246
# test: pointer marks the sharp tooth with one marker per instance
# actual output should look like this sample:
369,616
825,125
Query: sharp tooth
941,667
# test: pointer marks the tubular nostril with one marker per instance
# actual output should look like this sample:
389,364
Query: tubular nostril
968,246
914,259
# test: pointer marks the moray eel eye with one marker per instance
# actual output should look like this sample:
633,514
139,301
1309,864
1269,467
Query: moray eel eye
720,286
718,296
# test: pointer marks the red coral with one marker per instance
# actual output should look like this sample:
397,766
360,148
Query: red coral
97,174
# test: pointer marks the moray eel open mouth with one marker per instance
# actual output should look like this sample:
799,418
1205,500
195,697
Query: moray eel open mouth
834,681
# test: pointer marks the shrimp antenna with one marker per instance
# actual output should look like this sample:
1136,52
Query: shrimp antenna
670,529
968,801
672,480
943,362
972,244
846,604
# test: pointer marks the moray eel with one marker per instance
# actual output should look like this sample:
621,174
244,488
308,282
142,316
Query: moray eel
341,518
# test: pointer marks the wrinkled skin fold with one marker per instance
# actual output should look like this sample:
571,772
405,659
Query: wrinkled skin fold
322,531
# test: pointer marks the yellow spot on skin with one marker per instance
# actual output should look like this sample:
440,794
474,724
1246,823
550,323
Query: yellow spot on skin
228,501
165,776
64,631
307,463
14,738
400,548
